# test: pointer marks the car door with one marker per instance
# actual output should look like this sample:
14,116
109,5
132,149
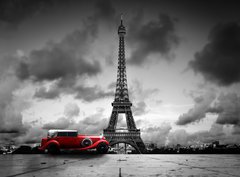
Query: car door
64,140
73,140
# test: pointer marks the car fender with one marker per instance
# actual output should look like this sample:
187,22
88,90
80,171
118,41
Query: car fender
94,145
48,143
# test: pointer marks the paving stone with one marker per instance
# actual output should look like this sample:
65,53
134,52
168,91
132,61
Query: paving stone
40,165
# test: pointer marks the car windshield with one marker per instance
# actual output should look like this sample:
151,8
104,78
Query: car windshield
52,134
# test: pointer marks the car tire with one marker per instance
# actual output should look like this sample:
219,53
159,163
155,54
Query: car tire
102,148
86,142
53,149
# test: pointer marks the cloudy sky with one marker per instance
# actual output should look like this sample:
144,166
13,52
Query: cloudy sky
58,67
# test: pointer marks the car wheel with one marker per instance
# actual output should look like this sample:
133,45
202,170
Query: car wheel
53,149
102,148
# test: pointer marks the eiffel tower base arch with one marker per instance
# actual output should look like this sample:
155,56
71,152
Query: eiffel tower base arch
131,138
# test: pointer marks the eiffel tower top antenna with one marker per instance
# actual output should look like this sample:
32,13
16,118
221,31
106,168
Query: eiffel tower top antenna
121,18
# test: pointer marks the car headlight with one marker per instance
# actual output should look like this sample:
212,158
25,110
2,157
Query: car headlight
102,137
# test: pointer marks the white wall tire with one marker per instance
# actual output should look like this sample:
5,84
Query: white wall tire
86,142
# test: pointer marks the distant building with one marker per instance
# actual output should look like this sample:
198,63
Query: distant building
215,144
150,146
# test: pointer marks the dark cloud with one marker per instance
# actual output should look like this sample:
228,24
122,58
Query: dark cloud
65,62
85,93
105,11
201,107
230,109
226,107
219,59
66,59
13,12
153,37
60,60
44,93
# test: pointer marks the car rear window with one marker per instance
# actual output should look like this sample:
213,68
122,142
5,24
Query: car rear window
62,133
72,133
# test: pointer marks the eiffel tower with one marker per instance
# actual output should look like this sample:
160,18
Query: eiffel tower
122,104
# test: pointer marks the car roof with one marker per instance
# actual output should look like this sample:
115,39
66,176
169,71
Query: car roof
59,130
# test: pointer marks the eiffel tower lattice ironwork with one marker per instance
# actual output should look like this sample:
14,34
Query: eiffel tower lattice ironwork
121,104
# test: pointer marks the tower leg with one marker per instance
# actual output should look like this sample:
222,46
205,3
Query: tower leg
125,148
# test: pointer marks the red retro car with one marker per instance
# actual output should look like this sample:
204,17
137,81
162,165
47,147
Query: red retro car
70,140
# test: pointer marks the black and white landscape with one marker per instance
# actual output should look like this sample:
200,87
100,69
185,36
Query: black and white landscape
58,70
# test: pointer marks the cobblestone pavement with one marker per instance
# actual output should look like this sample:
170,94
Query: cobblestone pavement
119,165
